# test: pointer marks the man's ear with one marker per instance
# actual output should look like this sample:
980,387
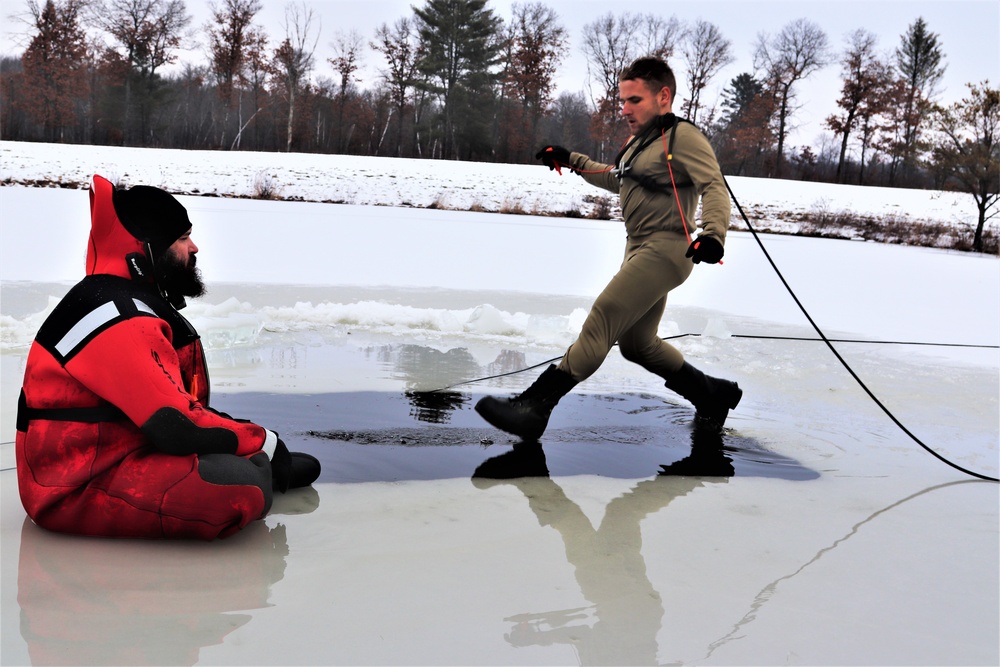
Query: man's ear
665,99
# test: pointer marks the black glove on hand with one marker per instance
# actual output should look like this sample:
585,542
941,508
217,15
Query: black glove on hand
706,249
553,157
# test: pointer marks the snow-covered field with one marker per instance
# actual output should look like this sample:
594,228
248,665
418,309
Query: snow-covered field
881,554
772,204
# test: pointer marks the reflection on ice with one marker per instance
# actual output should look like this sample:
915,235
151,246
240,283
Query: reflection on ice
92,601
626,615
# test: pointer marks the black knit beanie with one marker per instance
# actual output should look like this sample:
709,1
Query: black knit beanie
151,215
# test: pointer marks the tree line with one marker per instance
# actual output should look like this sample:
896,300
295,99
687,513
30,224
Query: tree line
458,81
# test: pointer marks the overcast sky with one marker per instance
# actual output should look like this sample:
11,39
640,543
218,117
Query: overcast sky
968,33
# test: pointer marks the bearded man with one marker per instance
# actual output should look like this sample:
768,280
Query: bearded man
115,436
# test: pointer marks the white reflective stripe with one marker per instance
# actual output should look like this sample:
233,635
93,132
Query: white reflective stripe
143,307
90,323
270,443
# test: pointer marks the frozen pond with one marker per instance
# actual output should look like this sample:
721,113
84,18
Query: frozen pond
818,533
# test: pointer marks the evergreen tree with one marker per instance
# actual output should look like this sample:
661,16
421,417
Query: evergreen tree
745,140
460,43
919,60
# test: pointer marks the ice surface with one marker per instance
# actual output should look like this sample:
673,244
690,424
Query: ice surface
838,540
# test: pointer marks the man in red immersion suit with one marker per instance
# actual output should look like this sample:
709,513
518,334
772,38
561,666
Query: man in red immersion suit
114,433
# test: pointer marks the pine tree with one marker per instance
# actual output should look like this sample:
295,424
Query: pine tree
746,140
460,46
919,61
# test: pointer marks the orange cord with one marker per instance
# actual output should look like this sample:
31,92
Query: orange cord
673,182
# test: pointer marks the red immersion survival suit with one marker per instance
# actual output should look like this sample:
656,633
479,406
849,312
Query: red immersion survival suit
114,433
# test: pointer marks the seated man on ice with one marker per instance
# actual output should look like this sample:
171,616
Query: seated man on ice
114,433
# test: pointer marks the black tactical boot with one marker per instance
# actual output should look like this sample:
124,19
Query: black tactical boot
527,414
712,398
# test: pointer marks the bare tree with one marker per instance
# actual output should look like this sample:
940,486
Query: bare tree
346,61
610,44
800,49
866,77
705,52
401,50
253,76
147,34
55,65
533,51
227,35
657,36
293,59
968,151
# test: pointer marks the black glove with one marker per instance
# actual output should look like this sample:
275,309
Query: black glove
706,249
553,157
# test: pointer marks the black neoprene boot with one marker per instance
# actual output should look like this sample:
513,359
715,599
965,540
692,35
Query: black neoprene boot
712,398
527,414
305,470
292,470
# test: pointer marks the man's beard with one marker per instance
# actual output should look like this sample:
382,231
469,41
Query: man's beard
177,278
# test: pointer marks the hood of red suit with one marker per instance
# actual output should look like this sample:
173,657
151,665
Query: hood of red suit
110,243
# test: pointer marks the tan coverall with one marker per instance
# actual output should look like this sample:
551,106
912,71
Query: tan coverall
629,309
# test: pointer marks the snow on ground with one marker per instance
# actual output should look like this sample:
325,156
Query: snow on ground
771,203
886,549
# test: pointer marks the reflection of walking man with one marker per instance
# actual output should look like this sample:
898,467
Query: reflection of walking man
659,176
608,561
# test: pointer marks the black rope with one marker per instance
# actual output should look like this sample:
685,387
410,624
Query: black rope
745,336
822,337
843,362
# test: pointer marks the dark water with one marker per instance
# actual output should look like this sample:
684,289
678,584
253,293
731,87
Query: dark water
389,436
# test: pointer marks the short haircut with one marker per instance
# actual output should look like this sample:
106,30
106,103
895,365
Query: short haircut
654,71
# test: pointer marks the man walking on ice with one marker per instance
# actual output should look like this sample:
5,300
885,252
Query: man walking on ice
659,176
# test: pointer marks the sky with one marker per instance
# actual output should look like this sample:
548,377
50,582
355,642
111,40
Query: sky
967,31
